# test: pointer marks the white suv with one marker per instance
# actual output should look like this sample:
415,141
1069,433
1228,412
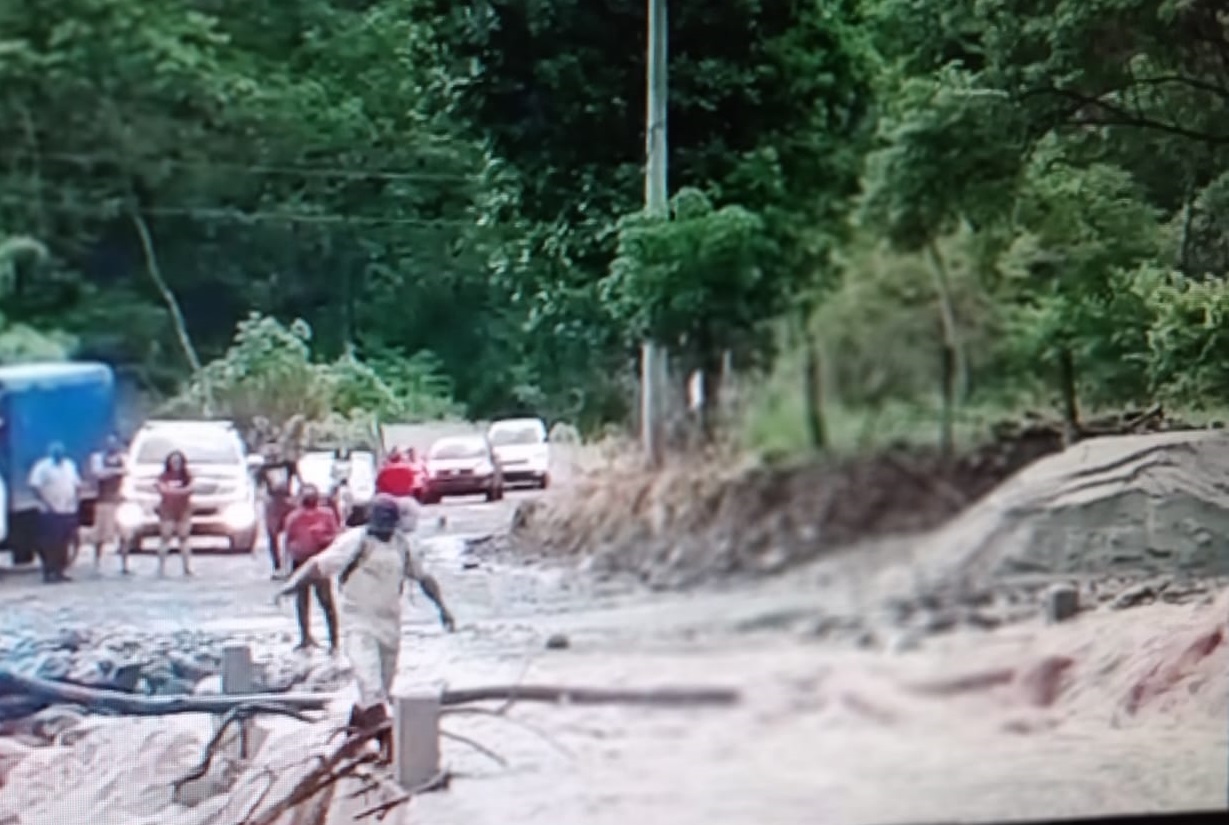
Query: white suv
522,449
224,493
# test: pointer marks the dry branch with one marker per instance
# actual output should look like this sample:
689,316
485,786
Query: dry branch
478,746
237,714
347,760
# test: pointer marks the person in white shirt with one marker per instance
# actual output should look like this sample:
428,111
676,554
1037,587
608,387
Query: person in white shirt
57,485
372,564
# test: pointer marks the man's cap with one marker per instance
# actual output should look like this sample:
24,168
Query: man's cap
385,512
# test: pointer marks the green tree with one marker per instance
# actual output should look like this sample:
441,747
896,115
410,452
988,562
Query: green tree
693,281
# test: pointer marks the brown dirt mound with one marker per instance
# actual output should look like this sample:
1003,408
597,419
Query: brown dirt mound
689,523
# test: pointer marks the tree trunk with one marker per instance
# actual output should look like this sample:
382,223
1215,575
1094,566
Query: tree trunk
947,312
813,389
172,305
1188,216
1070,399
947,401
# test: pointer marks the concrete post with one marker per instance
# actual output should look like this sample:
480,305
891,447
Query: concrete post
416,738
236,680
237,669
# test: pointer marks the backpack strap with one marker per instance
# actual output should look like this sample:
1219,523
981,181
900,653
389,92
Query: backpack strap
356,561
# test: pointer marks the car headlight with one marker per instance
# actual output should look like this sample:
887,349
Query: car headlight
129,516
239,516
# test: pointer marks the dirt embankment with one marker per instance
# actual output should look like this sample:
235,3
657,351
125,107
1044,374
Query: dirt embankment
690,524
1020,508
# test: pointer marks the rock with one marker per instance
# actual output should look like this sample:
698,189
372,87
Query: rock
905,642
1134,596
190,667
55,666
72,639
940,622
53,721
126,676
209,686
1062,602
558,641
867,640
174,687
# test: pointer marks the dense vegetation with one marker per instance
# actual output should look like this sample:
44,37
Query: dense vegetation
878,203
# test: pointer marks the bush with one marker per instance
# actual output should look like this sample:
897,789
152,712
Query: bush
269,373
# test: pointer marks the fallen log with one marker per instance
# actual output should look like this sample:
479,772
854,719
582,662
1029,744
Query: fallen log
126,704
662,697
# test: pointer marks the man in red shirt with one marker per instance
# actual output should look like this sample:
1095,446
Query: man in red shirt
396,477
310,528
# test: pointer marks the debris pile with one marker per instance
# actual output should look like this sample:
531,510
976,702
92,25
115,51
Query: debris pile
119,659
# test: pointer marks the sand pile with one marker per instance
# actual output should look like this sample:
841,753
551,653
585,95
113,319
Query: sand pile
1136,505
701,521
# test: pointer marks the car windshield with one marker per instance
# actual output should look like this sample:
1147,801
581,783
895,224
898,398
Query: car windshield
468,448
198,448
514,434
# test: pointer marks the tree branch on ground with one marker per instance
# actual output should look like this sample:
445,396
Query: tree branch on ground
237,714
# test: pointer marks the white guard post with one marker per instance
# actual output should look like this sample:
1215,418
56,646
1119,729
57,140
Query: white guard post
416,738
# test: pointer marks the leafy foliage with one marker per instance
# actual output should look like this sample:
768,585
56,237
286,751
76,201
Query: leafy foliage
269,372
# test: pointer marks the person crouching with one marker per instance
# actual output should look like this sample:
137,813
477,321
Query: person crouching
372,564
310,528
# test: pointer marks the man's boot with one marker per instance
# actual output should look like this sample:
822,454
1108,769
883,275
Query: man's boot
365,719
377,716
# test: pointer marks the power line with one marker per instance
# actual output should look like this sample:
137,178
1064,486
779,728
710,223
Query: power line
241,216
324,172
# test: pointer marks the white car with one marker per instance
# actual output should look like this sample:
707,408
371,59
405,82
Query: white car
523,450
224,492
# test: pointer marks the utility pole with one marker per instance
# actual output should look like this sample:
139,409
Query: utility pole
656,204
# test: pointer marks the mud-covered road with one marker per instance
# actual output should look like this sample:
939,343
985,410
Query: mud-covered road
826,734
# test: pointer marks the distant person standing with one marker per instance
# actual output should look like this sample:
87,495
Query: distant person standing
107,468
340,495
310,528
397,479
175,511
276,480
57,485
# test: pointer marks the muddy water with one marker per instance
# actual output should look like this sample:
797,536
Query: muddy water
826,734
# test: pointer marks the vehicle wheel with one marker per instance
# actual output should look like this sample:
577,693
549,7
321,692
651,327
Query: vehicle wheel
243,543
